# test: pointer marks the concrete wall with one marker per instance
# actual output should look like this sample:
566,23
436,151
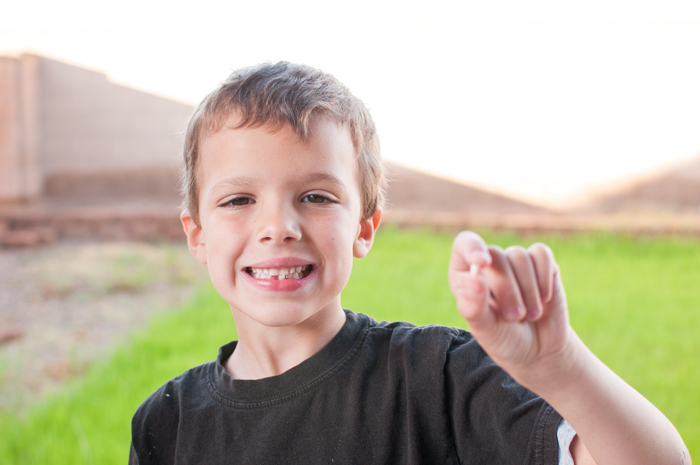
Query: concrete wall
90,125
62,128
9,130
20,175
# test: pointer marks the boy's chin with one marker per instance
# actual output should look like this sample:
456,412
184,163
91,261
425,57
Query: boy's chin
284,316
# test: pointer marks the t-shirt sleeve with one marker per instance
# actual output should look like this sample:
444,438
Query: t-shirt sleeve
495,419
133,458
565,436
154,428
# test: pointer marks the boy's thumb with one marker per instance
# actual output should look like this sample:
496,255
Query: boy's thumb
471,292
469,256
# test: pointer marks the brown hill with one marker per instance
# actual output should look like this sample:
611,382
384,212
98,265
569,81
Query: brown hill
411,190
674,190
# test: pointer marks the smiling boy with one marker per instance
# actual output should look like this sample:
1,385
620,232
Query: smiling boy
283,187
278,230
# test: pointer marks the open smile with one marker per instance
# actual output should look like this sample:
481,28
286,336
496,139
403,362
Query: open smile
280,274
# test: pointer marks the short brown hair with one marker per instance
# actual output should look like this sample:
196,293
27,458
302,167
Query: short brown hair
285,93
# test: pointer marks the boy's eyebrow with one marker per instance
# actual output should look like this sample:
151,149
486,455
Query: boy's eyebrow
236,181
246,181
327,177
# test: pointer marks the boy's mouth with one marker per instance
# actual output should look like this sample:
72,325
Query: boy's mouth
280,274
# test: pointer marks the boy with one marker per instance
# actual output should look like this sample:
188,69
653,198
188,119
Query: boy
283,187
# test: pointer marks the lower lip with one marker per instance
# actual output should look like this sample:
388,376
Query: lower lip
279,285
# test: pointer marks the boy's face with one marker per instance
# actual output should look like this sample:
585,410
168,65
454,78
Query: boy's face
273,205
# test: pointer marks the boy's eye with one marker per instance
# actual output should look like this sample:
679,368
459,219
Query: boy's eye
238,202
316,198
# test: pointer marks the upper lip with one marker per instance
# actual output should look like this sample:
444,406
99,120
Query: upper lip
284,262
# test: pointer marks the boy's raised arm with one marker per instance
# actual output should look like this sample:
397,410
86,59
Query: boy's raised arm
515,305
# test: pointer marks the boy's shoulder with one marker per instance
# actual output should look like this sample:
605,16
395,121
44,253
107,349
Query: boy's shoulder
165,401
406,329
425,342
155,423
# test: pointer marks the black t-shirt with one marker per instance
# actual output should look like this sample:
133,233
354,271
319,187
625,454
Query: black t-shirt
379,393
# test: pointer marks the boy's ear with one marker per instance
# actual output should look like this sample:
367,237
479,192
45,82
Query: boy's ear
365,237
195,237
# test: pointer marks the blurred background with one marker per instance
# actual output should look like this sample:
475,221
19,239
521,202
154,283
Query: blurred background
571,123
548,102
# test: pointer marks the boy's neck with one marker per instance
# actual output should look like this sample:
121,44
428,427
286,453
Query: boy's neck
263,351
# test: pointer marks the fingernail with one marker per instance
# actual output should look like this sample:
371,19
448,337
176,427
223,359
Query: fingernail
514,313
532,313
474,269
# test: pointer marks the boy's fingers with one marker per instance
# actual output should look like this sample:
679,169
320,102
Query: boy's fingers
525,275
504,286
472,293
469,249
545,268
469,256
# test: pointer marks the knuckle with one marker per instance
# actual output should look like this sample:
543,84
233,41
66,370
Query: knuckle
540,253
495,249
540,248
516,250
498,257
517,254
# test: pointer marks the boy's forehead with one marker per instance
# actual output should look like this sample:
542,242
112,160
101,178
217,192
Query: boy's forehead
320,125
323,130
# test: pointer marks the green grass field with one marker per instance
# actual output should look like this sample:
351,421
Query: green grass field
634,301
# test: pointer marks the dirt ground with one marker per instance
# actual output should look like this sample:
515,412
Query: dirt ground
64,305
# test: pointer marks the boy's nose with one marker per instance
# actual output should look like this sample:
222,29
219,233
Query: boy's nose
278,225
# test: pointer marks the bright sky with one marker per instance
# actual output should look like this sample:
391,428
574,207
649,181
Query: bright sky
542,100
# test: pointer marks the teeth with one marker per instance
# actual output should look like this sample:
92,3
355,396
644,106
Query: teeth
279,273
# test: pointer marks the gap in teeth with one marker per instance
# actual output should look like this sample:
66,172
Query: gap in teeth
280,273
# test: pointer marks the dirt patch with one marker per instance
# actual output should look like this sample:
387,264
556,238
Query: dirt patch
65,304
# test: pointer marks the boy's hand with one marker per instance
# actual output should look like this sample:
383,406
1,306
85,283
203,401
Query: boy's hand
514,303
